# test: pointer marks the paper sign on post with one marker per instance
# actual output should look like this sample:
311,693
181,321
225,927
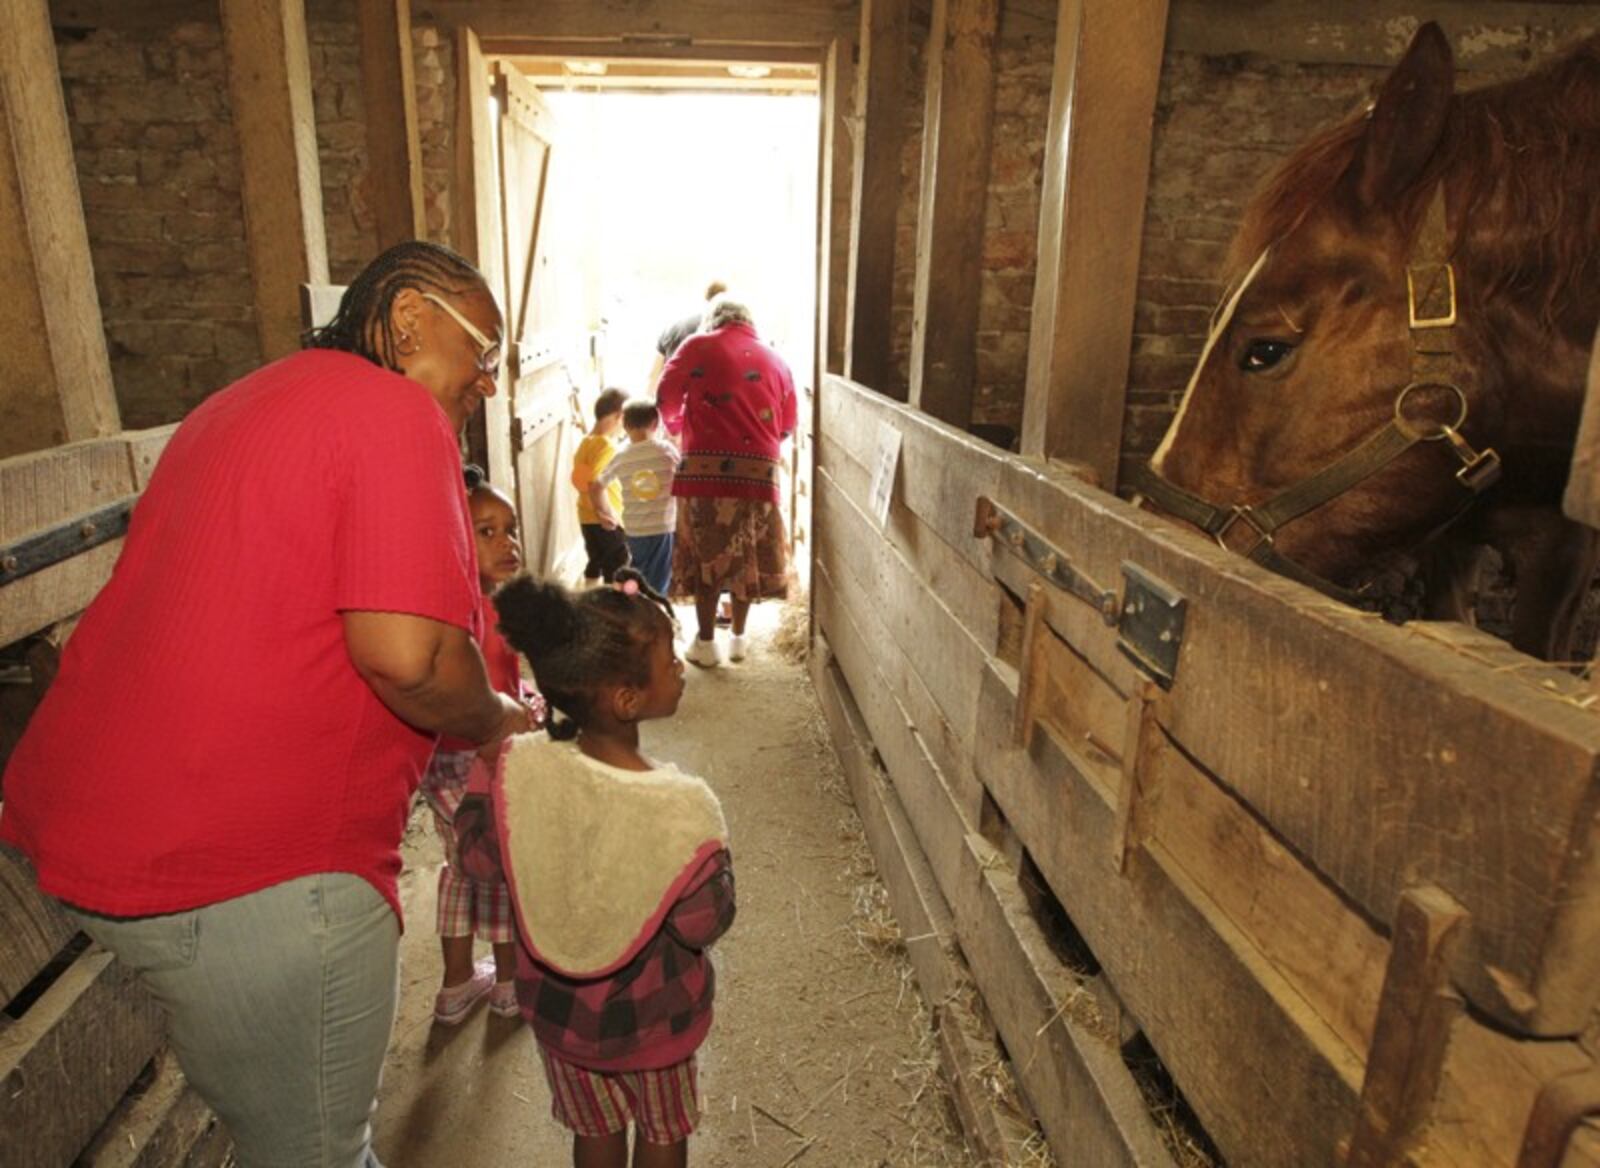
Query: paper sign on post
884,463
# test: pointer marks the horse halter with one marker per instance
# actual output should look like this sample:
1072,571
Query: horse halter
1431,317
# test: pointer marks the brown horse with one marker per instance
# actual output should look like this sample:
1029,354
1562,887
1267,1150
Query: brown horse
1399,363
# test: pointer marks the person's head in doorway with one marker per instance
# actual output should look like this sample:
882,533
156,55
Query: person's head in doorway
608,411
641,419
423,311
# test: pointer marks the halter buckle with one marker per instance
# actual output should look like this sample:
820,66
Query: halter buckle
1263,535
1413,309
1479,470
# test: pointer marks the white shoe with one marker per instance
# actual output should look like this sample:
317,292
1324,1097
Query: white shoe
706,654
737,648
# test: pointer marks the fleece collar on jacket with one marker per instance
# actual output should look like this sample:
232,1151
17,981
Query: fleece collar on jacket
596,856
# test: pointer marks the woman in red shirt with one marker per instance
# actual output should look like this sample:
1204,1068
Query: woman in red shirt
728,399
216,784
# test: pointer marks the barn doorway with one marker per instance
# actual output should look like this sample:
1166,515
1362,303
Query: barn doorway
626,186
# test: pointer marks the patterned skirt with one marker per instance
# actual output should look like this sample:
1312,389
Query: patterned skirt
730,545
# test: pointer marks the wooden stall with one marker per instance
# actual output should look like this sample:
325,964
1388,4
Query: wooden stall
1339,874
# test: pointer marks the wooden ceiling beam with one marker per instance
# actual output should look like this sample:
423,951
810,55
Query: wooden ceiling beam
651,51
773,22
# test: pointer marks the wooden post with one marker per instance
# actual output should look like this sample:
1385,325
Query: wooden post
1035,628
875,196
55,377
478,236
269,82
839,104
1091,221
1415,1011
957,126
389,95
1141,739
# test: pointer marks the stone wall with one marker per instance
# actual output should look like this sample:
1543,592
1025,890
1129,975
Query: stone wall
158,167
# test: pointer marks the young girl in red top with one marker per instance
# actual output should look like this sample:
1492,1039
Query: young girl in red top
618,866
469,907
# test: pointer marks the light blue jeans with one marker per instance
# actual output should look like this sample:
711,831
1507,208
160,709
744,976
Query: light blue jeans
279,1008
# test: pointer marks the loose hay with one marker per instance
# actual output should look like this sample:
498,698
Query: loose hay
792,639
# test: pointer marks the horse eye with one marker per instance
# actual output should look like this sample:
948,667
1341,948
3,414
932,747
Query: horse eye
1262,355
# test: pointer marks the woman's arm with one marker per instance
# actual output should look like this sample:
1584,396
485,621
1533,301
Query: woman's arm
431,675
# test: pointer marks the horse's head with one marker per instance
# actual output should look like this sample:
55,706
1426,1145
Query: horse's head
1314,344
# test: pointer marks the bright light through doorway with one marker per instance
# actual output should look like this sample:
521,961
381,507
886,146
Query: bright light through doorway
670,190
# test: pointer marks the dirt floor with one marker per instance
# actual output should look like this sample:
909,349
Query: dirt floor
820,1056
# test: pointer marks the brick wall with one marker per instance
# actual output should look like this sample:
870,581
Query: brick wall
158,167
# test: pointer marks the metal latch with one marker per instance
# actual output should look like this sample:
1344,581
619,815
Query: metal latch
1150,628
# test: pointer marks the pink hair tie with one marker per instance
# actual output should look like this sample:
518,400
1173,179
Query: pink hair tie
629,587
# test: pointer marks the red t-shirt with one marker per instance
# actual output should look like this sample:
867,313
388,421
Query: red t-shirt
207,735
501,663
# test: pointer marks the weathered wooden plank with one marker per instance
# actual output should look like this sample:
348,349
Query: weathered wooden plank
269,83
1582,500
389,98
924,920
964,589
1271,1083
875,196
1380,755
1415,1015
942,470
957,129
919,627
36,602
49,487
163,1124
82,1041
705,22
34,928
1091,224
834,167
1083,1095
479,237
53,360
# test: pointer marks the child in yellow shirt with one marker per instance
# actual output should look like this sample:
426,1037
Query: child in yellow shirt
603,536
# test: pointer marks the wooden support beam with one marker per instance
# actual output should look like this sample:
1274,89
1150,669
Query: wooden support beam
1416,1011
1091,221
957,128
875,190
814,22
478,236
389,96
837,191
55,377
269,83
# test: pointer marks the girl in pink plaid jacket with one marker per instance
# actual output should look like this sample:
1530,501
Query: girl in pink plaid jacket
618,866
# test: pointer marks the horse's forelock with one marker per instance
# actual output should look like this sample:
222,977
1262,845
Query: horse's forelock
1296,185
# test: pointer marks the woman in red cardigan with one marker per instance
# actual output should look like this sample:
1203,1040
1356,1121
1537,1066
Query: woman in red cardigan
728,399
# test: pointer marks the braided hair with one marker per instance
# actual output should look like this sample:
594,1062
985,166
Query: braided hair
362,325
578,642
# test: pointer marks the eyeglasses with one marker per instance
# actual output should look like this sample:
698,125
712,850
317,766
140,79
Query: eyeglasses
488,351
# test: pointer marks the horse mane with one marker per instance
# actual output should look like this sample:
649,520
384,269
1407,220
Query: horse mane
1525,157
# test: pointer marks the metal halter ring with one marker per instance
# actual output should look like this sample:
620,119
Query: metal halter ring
1444,428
